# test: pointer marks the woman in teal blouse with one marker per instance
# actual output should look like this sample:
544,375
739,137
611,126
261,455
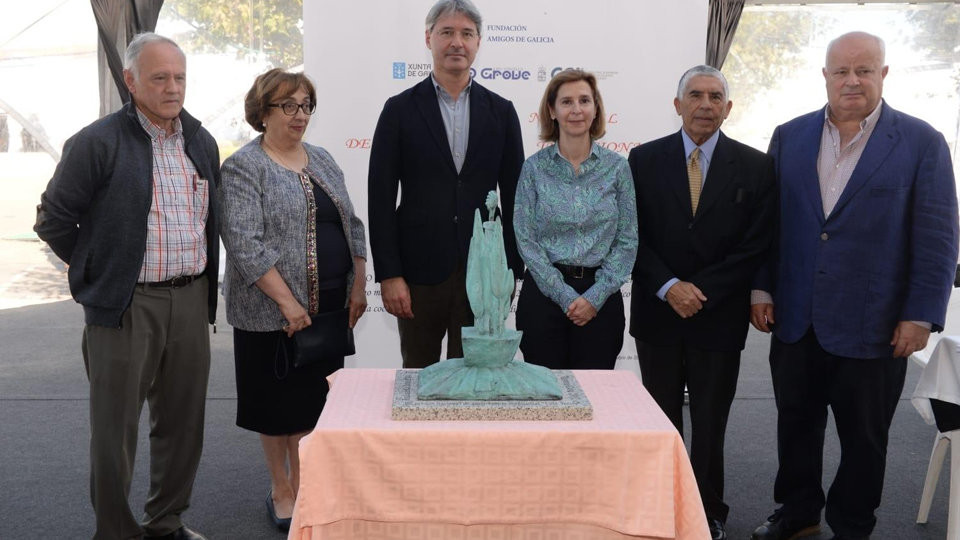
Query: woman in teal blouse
575,220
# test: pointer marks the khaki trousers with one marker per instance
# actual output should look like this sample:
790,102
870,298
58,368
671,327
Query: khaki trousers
438,310
161,355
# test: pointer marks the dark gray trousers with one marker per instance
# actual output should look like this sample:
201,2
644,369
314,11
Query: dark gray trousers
438,310
160,355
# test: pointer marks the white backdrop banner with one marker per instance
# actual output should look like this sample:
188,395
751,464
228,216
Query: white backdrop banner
360,53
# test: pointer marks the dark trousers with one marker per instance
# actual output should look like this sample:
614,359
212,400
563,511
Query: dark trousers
438,310
863,395
160,355
711,378
550,339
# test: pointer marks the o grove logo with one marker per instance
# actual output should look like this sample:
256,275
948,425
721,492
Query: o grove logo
506,74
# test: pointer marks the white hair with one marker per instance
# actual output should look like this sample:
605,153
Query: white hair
131,58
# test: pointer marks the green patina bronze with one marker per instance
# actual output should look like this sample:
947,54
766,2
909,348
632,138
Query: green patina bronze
488,370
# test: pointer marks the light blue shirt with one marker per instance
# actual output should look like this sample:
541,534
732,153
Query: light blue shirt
582,219
706,155
456,120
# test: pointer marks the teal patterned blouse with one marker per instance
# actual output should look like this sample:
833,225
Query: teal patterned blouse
586,219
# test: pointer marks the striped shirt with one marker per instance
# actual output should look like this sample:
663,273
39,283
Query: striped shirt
836,164
176,243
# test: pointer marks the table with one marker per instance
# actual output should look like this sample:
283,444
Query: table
624,474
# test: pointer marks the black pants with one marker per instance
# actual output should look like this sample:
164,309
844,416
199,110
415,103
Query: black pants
550,339
711,378
863,395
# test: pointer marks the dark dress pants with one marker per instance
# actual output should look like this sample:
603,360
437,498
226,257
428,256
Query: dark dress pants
863,395
711,378
160,355
550,339
438,310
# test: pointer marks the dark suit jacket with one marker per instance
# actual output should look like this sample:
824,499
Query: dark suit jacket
719,250
888,251
426,237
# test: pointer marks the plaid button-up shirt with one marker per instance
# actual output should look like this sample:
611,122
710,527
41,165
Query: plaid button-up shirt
176,243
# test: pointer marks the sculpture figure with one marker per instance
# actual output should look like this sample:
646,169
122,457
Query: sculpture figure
488,370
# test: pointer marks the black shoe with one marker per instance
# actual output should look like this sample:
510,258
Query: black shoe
282,523
775,528
182,533
848,537
717,530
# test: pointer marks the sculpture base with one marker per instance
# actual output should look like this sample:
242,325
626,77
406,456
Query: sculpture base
573,404
457,379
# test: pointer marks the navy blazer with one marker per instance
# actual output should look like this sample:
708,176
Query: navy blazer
719,249
888,251
427,236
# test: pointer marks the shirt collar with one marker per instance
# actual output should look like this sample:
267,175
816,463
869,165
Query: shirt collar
870,120
155,131
706,149
555,151
443,93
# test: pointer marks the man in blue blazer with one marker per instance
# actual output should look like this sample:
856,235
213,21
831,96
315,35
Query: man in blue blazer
445,143
861,274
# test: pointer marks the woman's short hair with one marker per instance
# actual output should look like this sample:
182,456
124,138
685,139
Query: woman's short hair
549,129
270,87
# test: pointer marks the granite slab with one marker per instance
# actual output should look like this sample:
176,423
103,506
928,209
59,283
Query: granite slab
574,404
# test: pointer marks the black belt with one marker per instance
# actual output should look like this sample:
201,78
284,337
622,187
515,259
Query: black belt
172,283
577,272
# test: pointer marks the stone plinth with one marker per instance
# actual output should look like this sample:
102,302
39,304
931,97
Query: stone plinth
574,404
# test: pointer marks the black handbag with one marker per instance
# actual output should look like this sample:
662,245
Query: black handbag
328,339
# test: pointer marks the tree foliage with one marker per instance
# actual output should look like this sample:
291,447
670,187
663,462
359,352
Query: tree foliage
767,48
249,28
937,31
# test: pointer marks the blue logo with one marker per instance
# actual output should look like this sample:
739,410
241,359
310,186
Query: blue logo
399,70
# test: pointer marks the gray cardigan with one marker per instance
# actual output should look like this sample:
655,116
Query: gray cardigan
264,225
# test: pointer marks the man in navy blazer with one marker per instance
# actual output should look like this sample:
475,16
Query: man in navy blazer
862,271
445,143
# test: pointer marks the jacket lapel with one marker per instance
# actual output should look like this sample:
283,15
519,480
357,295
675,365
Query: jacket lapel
425,96
884,137
480,112
719,175
806,153
675,171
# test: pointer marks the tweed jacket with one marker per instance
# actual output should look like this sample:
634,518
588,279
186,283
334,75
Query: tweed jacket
264,225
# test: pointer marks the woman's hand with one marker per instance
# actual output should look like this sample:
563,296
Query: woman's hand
358,293
358,300
296,316
580,312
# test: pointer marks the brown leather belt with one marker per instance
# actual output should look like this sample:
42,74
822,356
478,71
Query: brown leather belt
576,272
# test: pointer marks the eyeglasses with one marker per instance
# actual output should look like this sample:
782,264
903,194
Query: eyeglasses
290,109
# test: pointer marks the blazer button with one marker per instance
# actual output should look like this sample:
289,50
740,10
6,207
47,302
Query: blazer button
690,226
824,237
454,219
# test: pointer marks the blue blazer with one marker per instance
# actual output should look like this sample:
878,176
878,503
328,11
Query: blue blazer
888,251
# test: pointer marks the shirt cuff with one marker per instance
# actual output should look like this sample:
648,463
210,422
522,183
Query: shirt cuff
924,324
760,297
662,292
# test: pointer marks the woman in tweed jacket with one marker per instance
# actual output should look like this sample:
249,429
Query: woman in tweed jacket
294,248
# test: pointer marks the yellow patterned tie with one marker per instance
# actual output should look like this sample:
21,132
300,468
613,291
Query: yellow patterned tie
695,178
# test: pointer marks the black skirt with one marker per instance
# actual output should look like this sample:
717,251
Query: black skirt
273,397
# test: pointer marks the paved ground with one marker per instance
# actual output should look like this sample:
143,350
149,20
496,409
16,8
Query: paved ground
44,432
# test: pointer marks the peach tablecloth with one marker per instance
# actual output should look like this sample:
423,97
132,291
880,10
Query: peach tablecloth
624,474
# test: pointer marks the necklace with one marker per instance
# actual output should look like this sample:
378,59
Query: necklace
277,156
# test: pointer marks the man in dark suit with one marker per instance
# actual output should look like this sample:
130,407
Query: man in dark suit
446,142
866,256
706,208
